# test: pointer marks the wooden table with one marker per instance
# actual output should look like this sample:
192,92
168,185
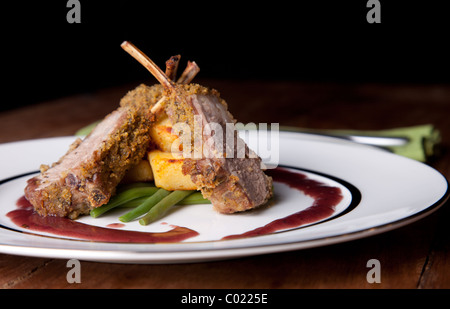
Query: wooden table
411,257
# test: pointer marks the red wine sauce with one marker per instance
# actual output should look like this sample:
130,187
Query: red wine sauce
325,200
26,217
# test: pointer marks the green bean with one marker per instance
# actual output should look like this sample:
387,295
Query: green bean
163,206
145,206
194,198
134,203
122,198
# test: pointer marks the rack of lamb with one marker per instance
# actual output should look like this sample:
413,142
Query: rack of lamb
87,176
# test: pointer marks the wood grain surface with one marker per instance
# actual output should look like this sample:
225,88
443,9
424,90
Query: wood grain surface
416,256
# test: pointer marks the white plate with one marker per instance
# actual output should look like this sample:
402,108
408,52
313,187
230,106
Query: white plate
381,191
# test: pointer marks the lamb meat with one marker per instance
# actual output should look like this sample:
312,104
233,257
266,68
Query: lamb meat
87,175
233,184
231,178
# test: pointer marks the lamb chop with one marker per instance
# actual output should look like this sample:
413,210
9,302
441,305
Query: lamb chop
88,174
232,184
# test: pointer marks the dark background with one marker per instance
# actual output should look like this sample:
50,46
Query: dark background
44,57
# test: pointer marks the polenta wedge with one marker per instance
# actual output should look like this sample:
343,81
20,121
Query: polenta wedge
167,172
161,135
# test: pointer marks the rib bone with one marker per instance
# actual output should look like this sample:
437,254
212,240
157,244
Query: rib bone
189,73
159,105
148,64
186,77
172,67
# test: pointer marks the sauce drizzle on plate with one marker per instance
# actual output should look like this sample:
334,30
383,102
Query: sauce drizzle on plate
325,200
25,216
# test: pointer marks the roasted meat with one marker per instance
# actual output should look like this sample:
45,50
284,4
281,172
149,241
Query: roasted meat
233,183
87,175
230,177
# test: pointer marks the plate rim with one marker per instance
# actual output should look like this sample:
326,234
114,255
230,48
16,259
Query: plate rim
166,257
